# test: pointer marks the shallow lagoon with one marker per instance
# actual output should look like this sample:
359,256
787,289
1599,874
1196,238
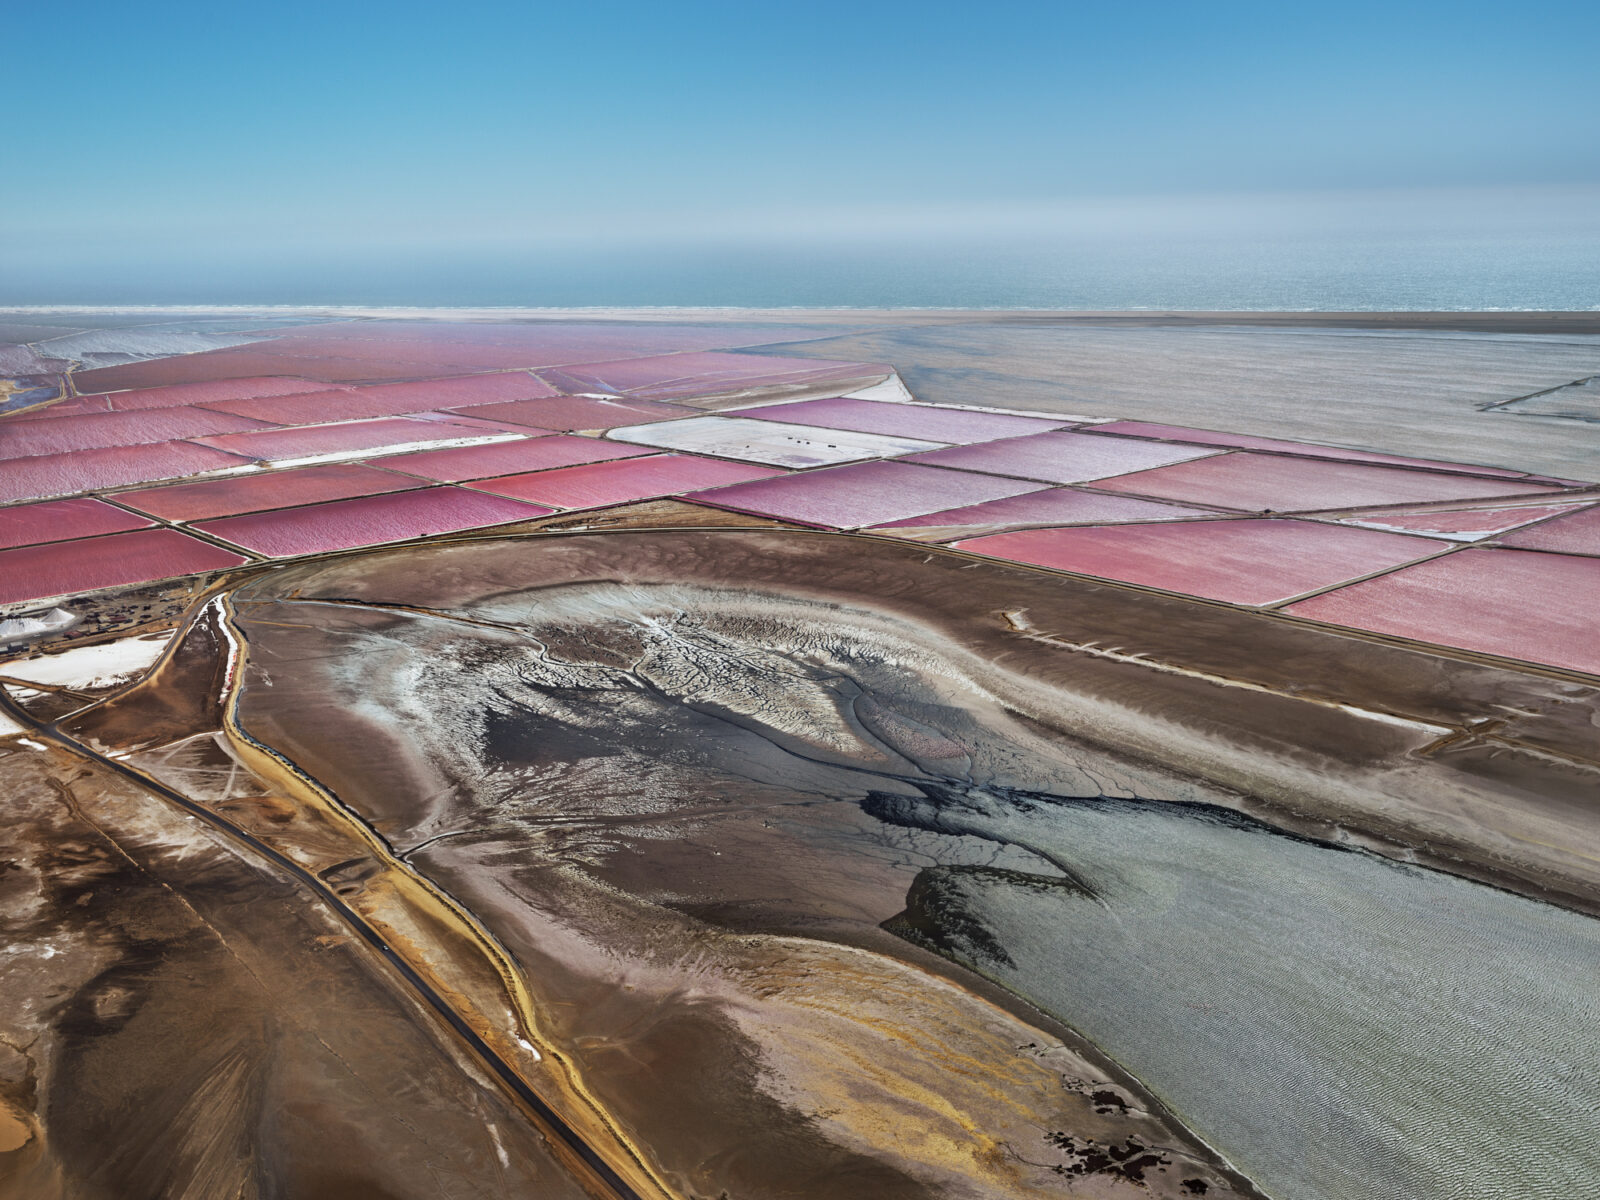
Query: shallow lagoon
1335,1022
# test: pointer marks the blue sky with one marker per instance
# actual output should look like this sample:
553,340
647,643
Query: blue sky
171,131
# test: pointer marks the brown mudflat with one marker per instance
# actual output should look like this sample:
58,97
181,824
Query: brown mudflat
649,810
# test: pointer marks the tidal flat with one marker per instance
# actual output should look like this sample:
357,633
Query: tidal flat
784,864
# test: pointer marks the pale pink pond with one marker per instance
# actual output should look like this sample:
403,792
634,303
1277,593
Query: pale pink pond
143,556
867,493
1578,533
180,394
57,520
368,521
507,458
260,490
580,412
594,484
393,399
1516,603
310,441
1054,506
1272,483
902,420
1243,562
97,431
1060,457
1460,524
704,373
115,466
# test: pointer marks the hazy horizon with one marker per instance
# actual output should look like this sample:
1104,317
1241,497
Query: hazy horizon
1244,155
1413,249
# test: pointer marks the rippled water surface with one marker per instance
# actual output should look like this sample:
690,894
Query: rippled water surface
1343,1026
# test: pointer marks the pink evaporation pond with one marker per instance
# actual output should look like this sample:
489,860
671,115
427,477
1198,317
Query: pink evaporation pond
118,559
58,520
921,421
510,458
310,408
1269,483
1242,441
621,480
392,399
1459,524
1054,506
97,431
1059,457
264,489
1578,533
706,373
861,494
581,412
182,394
461,418
1517,603
71,406
1241,562
368,521
275,445
116,466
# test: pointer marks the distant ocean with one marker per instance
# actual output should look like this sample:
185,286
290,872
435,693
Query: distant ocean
1236,270
1233,273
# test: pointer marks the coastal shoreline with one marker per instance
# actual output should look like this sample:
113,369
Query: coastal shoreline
1464,320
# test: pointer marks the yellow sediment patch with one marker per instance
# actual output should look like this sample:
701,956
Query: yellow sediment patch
439,938
15,1131
905,1059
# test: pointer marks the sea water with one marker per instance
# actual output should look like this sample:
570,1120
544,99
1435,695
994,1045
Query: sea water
1231,269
